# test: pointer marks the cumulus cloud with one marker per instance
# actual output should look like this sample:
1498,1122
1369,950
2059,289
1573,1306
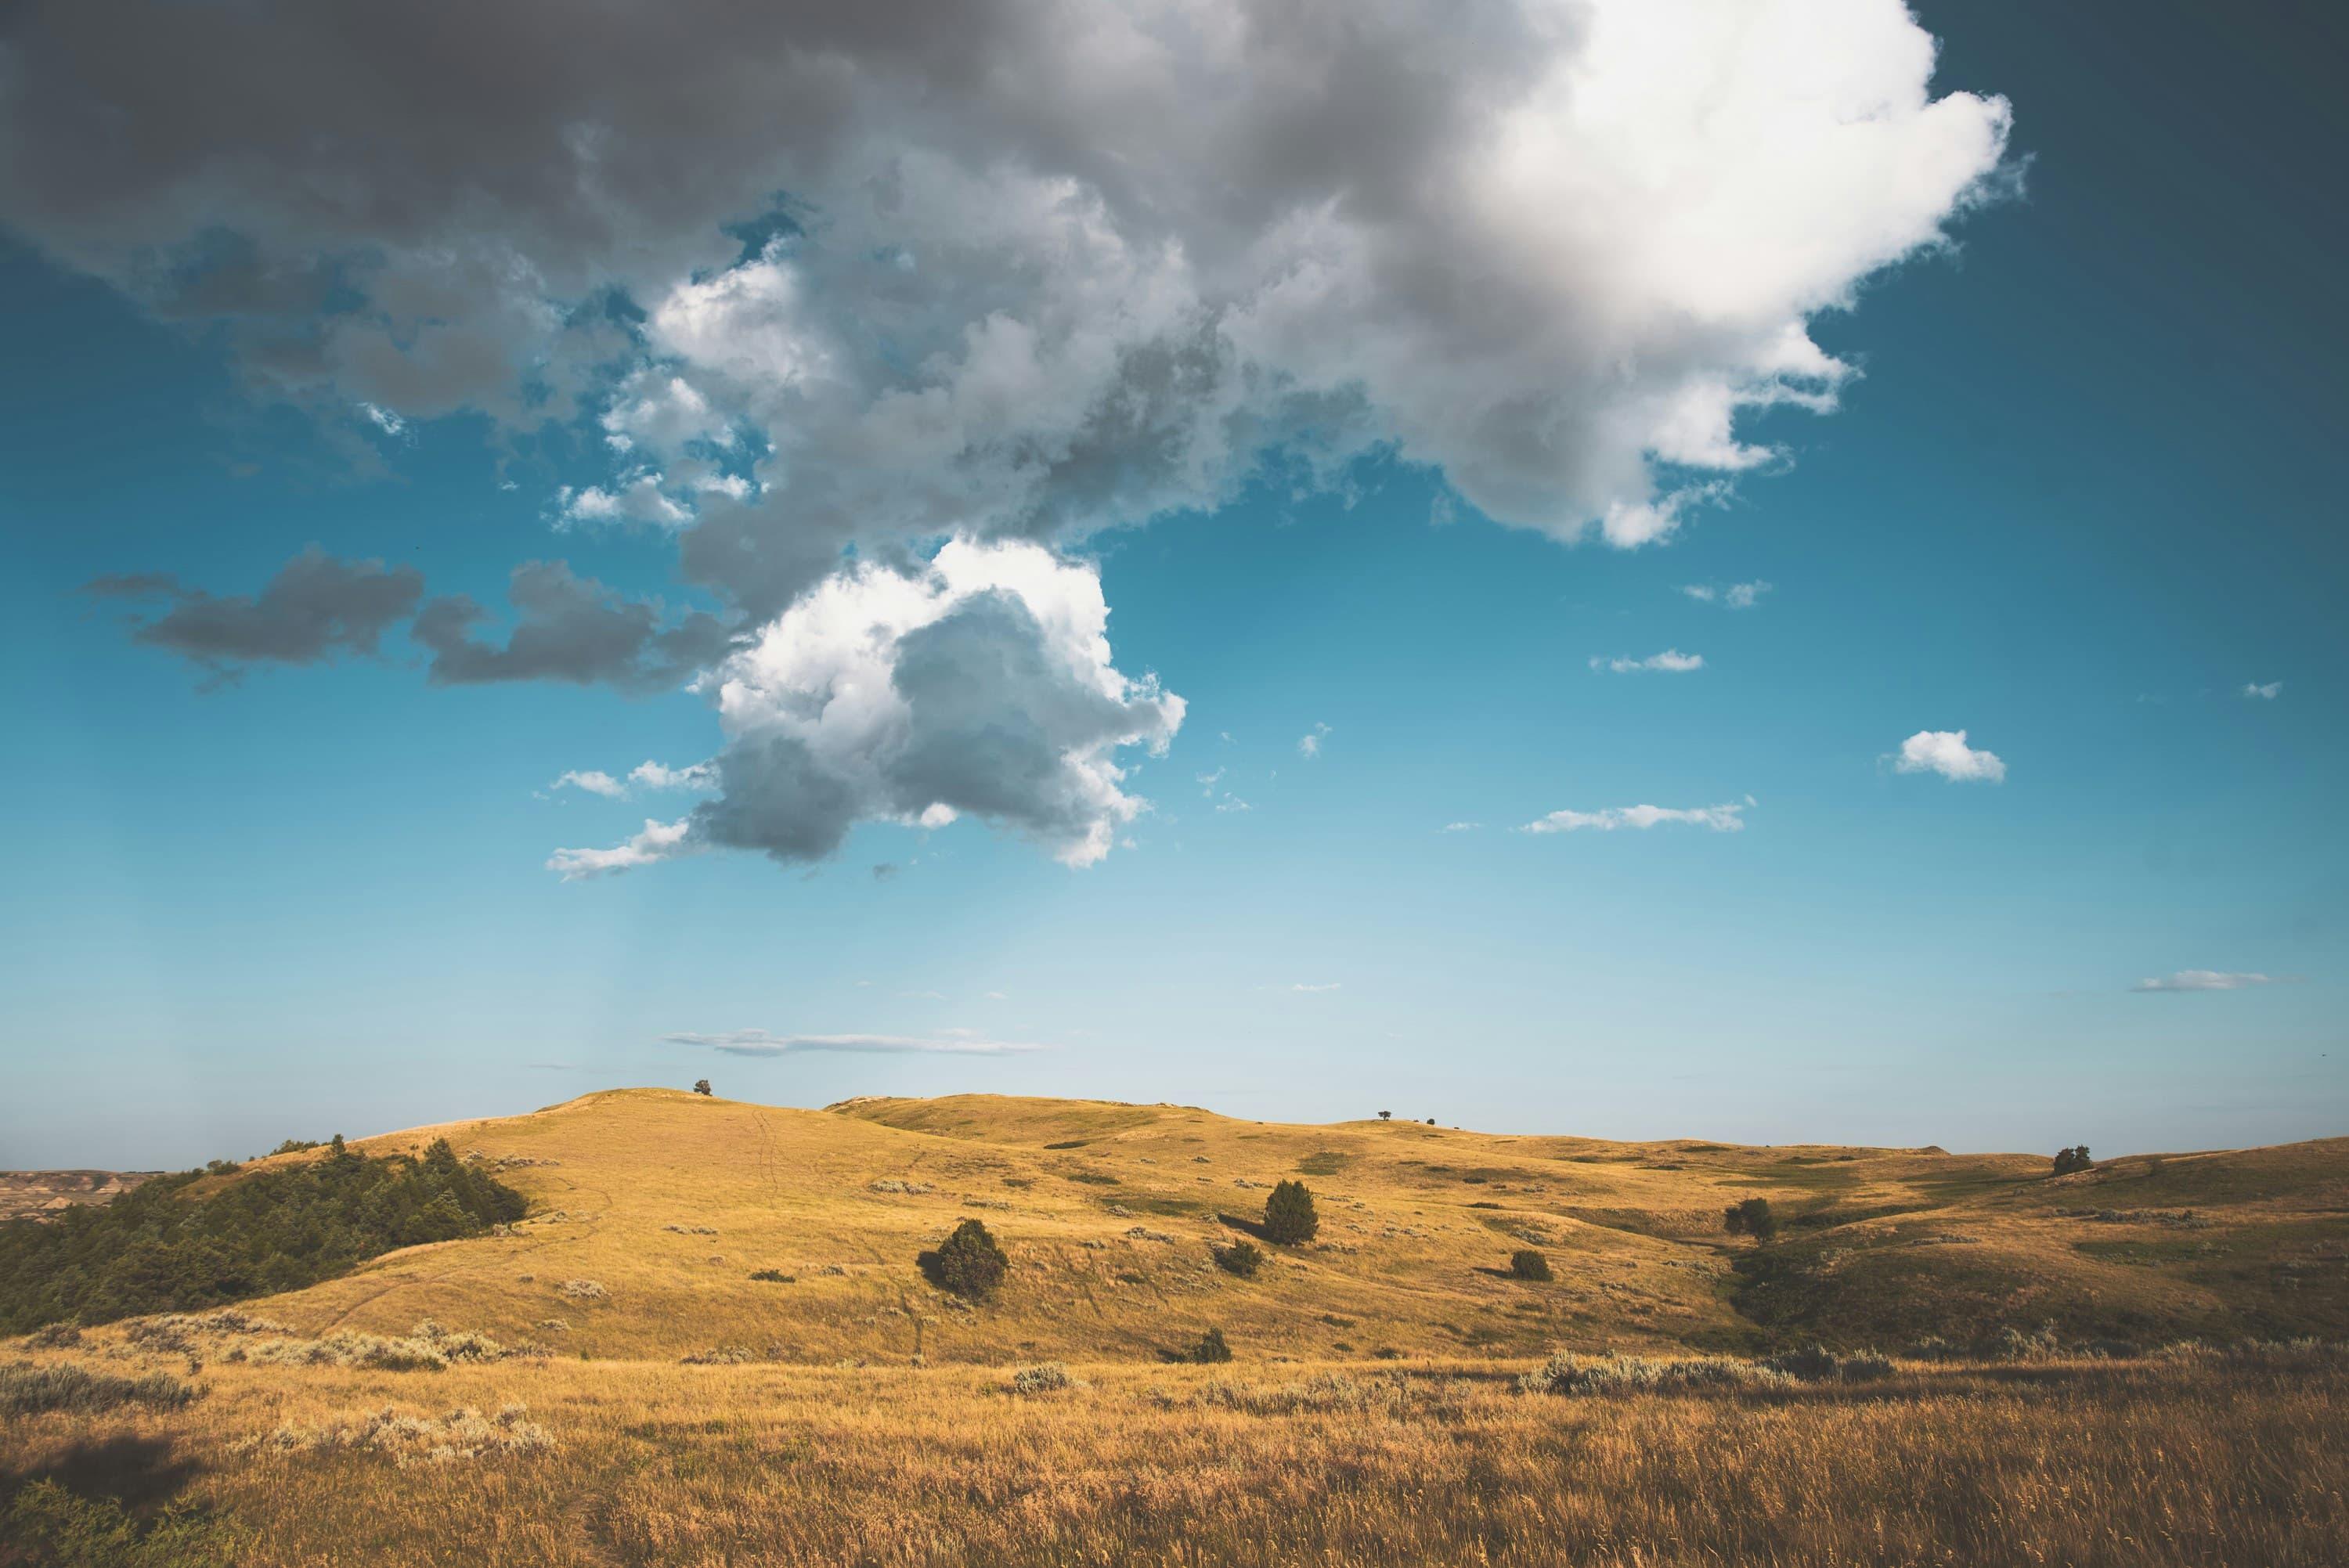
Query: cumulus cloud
654,775
2268,693
1671,661
763,1043
977,683
1729,819
314,607
1945,752
568,628
2204,980
1034,275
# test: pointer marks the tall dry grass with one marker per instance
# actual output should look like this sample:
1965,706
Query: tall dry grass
2189,1459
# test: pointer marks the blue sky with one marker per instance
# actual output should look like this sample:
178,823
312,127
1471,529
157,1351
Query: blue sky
2077,501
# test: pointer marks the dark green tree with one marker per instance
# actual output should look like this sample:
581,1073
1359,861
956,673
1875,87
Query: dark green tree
701,1086
2075,1159
1211,1348
1289,1217
1751,1217
1241,1258
968,1262
1527,1263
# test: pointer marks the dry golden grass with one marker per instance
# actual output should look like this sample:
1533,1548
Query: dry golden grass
1373,1415
2117,1463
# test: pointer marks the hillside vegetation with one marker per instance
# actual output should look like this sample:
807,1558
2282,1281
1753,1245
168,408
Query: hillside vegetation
714,1339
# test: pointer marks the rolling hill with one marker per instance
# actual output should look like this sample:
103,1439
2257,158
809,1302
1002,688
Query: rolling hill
651,1210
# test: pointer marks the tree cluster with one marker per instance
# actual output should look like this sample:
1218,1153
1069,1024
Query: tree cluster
160,1248
2070,1160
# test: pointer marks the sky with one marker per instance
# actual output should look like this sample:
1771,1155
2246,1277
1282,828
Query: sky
1559,569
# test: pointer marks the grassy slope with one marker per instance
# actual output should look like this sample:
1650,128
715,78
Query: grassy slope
1885,1246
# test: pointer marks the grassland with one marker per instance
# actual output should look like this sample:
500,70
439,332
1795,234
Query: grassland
1373,1414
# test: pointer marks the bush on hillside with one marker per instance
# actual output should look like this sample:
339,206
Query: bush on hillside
1289,1217
701,1086
157,1249
968,1262
1241,1258
1751,1217
1527,1263
2075,1159
1211,1350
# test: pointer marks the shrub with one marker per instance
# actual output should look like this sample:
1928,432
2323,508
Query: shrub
1817,1364
1050,1377
701,1086
1566,1373
50,1525
584,1290
968,1262
719,1356
1289,1217
1527,1263
463,1433
1211,1350
1750,1218
27,1389
1241,1258
2068,1160
774,1276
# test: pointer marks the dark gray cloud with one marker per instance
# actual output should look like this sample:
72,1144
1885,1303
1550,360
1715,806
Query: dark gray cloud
314,607
568,628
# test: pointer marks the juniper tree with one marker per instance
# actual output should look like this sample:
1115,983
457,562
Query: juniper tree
1289,1217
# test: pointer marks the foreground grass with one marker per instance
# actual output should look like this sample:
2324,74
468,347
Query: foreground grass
2206,1461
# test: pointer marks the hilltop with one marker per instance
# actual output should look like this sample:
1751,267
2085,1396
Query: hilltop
666,1203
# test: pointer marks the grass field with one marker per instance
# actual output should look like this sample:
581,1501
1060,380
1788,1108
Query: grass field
848,1412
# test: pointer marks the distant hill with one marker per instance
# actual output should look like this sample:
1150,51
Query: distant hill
652,1210
32,1193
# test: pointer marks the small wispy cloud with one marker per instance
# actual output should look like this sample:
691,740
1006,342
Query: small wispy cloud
763,1043
383,420
1460,827
2205,980
1728,819
2268,693
658,842
593,780
1945,752
1304,987
1233,803
1671,661
1207,781
1736,596
1308,745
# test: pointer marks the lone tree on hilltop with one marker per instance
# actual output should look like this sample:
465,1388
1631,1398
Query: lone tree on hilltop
1751,1217
701,1086
1527,1263
2070,1160
1386,1115
966,1262
1289,1217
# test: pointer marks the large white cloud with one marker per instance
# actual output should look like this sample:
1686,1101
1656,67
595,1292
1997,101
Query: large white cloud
1945,752
980,683
826,278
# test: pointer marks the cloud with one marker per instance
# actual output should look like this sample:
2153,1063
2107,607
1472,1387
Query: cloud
1233,803
1736,596
1207,781
2268,693
1727,818
594,781
654,775
1672,660
1945,752
762,1043
314,607
979,685
658,842
1308,746
1039,274
1332,986
2204,980
1461,826
568,628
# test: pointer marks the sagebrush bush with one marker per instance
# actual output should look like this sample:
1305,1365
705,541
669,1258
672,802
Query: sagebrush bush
463,1433
28,1390
1567,1373
1047,1377
1211,1350
1527,1263
1244,1259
